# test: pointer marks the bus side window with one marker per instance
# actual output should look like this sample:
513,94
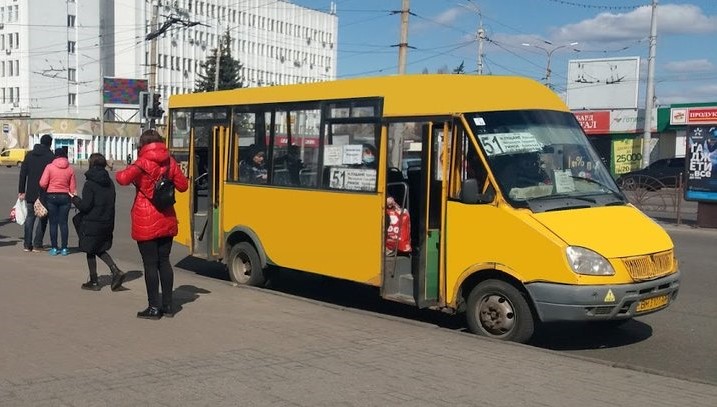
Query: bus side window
295,147
350,157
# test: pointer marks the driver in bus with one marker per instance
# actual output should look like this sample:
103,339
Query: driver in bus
522,171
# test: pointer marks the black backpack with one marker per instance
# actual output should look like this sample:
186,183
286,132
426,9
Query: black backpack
163,194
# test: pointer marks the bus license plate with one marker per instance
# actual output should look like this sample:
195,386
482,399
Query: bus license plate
649,304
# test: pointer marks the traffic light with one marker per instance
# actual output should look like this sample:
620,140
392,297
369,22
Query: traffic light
155,111
143,104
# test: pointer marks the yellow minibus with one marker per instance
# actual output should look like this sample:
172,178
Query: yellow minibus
12,157
467,194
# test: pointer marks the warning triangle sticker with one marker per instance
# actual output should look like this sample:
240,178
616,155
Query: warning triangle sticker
609,297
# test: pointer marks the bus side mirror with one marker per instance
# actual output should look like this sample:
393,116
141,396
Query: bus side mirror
470,194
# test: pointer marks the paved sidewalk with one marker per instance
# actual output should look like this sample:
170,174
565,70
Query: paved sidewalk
229,346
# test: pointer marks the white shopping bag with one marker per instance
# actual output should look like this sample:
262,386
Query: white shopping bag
20,210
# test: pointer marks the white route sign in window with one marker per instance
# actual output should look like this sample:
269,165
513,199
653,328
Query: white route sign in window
354,179
509,143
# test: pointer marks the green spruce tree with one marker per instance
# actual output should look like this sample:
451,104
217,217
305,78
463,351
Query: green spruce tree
229,69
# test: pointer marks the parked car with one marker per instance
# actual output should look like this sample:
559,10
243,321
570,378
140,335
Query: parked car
12,156
663,173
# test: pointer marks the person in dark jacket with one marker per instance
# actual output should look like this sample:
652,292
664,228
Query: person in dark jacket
253,170
29,189
95,222
154,228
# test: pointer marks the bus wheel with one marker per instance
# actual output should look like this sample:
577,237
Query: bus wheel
498,310
244,265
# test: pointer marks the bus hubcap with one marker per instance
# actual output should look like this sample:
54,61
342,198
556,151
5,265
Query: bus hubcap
496,314
242,268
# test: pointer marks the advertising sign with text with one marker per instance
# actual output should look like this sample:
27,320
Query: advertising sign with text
701,161
626,155
693,115
597,122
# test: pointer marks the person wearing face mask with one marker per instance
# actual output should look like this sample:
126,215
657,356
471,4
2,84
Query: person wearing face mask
368,156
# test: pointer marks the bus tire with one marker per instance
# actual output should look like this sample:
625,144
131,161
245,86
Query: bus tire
244,265
498,310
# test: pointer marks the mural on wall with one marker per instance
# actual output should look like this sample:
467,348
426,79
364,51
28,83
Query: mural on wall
14,134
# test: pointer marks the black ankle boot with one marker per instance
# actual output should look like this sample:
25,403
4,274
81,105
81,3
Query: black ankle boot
167,311
150,313
91,285
117,278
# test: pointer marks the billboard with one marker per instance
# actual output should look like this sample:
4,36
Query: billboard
701,164
122,91
604,83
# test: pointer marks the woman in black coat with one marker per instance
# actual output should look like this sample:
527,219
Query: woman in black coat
95,222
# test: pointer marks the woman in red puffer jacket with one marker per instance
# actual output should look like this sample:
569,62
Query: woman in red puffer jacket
152,228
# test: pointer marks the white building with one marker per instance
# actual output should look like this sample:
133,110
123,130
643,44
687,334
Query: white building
53,54
48,58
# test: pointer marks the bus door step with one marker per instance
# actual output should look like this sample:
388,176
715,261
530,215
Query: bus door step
399,280
402,298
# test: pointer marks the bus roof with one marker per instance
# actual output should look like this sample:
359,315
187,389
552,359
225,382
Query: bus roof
404,95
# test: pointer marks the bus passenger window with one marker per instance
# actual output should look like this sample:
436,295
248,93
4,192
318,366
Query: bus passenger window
350,157
248,126
296,148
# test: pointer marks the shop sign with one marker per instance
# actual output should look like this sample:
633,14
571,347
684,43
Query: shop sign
594,122
624,121
693,115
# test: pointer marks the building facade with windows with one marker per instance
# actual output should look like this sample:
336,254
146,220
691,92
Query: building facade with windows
53,55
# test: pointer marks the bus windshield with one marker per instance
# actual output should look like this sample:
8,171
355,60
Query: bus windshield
542,160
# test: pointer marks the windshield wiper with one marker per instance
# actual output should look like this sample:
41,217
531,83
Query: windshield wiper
562,196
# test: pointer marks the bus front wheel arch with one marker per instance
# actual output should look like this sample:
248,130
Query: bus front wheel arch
244,265
497,309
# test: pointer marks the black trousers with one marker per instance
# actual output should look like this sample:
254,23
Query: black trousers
92,263
157,270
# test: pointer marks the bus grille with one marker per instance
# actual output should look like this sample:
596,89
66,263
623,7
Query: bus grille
651,266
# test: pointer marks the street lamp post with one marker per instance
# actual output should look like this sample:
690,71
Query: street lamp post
549,53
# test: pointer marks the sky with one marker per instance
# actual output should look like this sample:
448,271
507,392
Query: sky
443,35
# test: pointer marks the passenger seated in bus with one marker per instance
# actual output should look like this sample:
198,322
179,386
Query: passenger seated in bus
292,163
253,171
368,156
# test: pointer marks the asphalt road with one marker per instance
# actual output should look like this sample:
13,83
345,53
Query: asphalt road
678,341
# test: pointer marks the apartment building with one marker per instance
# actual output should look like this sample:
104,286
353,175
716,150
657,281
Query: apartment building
53,55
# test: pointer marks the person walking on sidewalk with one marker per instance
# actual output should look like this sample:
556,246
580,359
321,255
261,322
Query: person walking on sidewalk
29,189
95,222
154,228
58,180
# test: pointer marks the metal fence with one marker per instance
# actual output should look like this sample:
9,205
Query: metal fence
659,198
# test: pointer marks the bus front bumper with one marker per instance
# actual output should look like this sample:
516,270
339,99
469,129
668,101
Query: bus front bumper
560,302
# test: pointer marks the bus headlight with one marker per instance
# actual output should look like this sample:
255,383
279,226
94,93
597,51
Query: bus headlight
586,261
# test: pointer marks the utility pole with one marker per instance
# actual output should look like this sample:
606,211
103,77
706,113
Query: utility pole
153,49
217,63
149,124
403,45
481,37
650,91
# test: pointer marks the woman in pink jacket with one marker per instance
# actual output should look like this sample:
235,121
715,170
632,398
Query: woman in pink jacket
58,180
